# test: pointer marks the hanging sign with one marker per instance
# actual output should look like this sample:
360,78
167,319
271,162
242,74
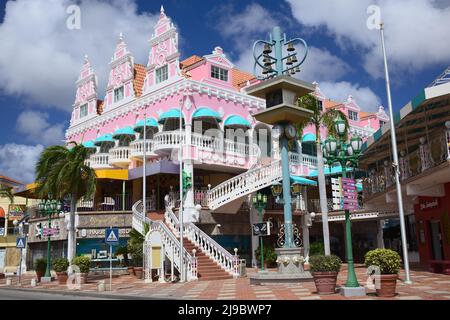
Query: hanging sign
16,211
261,229
349,194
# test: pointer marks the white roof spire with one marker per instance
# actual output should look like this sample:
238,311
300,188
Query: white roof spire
162,9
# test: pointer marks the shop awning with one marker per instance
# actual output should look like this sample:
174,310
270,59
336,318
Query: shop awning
205,112
303,181
106,138
89,145
149,122
237,121
328,171
125,131
171,114
309,137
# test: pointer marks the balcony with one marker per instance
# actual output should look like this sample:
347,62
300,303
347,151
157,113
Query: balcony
120,157
163,142
137,149
99,161
305,159
106,204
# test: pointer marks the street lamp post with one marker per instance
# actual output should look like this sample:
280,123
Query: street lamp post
48,208
345,153
260,202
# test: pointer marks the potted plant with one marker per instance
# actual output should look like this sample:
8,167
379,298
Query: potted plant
40,265
389,263
84,263
325,270
135,249
270,256
60,266
124,252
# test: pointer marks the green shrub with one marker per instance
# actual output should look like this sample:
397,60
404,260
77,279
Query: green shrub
40,265
321,263
316,248
60,264
387,260
270,256
136,252
84,263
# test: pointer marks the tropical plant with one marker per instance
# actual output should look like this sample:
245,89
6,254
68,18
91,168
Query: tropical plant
83,262
322,263
61,172
387,260
40,265
6,192
316,248
135,245
60,264
320,119
270,256
124,252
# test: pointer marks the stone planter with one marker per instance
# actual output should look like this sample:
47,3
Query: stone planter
62,277
131,271
138,272
388,285
325,282
39,275
83,278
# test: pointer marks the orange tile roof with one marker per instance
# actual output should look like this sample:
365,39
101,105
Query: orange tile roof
190,61
7,181
329,104
139,77
363,115
240,78
100,104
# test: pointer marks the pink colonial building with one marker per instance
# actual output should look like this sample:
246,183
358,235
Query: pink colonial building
226,152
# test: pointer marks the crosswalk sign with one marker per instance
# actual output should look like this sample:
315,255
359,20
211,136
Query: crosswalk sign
20,243
112,236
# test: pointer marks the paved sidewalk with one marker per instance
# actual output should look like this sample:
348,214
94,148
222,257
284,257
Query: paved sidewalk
426,286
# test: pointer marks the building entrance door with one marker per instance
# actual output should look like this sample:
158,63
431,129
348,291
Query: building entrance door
436,240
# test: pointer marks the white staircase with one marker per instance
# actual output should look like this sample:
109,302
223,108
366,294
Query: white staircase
251,181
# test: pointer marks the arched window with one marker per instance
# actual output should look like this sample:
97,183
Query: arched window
262,136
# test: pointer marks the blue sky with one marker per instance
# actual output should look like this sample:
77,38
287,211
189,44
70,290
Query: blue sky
41,58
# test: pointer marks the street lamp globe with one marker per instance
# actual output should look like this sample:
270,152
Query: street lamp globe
296,189
264,199
277,189
356,143
331,145
339,126
349,149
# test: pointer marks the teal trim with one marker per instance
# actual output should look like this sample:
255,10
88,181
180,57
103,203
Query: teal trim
237,121
171,114
303,181
309,137
205,112
89,145
126,131
418,100
359,187
377,135
106,138
150,122
334,171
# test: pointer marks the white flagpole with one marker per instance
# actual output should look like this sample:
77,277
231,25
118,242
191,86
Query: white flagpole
144,176
180,210
395,164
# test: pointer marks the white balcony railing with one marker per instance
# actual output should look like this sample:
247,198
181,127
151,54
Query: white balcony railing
120,156
137,148
305,159
100,161
168,140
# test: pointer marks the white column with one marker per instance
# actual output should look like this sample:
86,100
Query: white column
190,214
380,241
255,240
305,227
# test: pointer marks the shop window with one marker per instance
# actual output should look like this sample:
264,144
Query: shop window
352,115
83,110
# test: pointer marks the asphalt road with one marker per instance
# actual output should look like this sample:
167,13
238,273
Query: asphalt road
10,294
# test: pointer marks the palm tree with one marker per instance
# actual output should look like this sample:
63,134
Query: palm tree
61,173
6,192
321,119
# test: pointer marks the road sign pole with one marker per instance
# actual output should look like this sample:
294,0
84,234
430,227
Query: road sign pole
110,267
20,265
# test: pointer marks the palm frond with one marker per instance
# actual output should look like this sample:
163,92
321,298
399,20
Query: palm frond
328,119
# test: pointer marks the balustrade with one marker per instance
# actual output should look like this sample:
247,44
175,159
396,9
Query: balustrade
137,148
119,155
99,161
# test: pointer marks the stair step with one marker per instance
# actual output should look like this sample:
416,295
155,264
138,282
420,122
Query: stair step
211,278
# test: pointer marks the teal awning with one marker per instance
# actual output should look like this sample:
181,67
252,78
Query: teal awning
359,187
126,131
303,181
171,114
106,138
205,112
237,121
89,145
309,137
328,172
149,122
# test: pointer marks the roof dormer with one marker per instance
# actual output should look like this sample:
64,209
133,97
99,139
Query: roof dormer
85,105
163,60
120,83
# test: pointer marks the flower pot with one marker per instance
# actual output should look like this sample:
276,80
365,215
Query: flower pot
39,275
388,284
62,277
83,278
138,272
131,271
325,282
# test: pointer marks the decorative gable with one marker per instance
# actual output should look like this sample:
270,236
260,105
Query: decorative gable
85,105
219,58
120,82
351,104
318,93
163,60
381,114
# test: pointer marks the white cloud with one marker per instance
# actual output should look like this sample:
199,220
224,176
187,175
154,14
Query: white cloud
18,161
416,30
364,96
35,127
41,58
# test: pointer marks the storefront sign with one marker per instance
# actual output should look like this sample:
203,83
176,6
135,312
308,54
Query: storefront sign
16,211
425,205
100,233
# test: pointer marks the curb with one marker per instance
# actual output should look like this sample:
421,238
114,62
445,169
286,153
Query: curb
79,293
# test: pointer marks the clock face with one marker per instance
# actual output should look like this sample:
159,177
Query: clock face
277,131
291,131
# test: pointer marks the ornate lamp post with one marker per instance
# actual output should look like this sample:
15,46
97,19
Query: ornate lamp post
347,154
49,208
260,203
